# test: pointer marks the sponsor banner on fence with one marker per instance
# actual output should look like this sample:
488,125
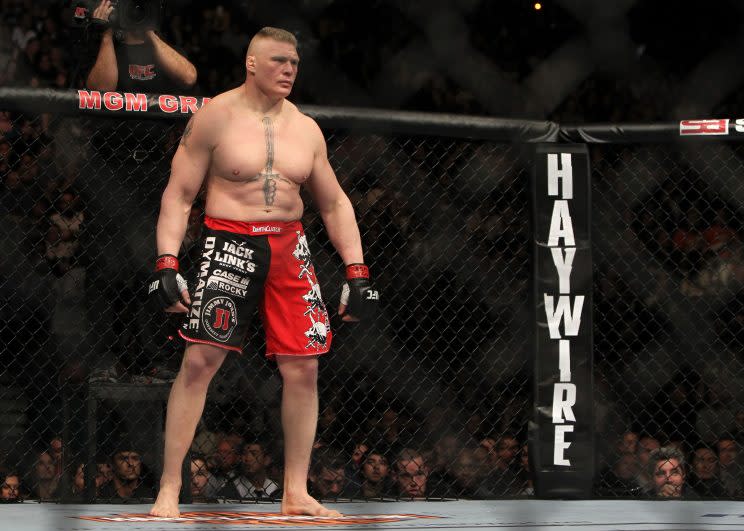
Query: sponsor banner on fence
561,434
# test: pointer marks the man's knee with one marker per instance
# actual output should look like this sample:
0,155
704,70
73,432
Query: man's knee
201,363
298,369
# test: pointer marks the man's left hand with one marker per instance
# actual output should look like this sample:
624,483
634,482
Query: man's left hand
359,300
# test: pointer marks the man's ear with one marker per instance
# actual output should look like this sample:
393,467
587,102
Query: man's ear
250,63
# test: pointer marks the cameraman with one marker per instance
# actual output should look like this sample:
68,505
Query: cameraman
140,62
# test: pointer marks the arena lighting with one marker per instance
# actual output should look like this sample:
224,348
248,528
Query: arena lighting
537,6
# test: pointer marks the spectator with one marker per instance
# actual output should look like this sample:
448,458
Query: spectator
10,488
704,478
358,458
253,481
55,450
667,468
411,474
77,486
141,62
621,478
104,470
223,465
130,476
646,445
327,476
502,478
389,427
468,474
375,475
45,480
730,465
205,441
628,443
446,449
200,476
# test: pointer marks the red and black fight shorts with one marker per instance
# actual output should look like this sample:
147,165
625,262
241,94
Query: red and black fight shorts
245,264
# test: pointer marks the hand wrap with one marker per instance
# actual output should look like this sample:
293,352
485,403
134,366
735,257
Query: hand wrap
357,293
167,283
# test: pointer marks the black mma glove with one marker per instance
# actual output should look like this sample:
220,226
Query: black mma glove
167,284
357,293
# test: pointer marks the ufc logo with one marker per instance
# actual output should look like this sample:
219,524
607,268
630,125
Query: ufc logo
373,295
704,127
141,71
153,286
222,319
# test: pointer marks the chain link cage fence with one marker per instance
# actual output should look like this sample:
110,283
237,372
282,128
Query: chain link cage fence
669,372
441,378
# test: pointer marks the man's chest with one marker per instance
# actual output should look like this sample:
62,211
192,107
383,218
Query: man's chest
246,151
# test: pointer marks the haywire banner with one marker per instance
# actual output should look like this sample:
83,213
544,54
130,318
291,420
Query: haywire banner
561,432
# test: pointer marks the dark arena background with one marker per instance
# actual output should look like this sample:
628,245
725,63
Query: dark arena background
551,205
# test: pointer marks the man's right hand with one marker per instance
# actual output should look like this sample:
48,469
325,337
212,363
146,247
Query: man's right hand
102,13
169,286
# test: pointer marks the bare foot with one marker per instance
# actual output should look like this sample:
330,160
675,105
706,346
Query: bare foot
306,505
166,504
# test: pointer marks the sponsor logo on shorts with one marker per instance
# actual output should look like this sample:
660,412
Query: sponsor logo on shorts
219,318
236,256
228,282
196,298
259,519
265,228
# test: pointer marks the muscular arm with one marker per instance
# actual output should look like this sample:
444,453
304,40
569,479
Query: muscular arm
105,74
176,66
334,206
188,171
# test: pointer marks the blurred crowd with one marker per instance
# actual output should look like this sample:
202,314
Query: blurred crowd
382,461
431,204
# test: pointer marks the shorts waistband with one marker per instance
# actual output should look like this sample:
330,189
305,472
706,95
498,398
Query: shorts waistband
254,228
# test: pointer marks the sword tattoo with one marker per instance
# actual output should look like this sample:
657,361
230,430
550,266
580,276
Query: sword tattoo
269,186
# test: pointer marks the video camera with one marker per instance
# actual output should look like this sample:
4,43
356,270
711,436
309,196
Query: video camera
128,15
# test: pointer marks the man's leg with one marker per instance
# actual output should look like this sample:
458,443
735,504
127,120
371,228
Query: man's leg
185,407
299,420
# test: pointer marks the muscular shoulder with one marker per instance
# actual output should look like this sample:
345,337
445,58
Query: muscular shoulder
216,111
310,127
206,124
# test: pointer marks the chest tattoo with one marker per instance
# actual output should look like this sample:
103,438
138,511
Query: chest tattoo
268,175
269,185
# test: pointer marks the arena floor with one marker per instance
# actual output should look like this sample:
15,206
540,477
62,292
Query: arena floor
519,514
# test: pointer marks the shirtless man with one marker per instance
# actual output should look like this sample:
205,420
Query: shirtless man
253,149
